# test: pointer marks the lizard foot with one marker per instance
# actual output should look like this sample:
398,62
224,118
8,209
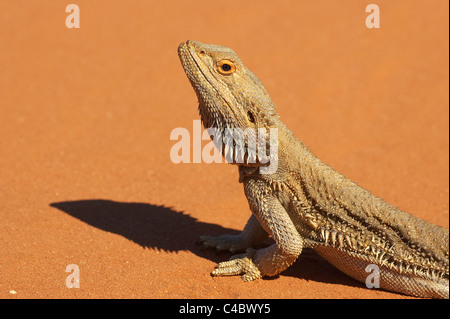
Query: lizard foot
239,265
232,243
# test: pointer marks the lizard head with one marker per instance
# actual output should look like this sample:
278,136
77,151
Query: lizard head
230,96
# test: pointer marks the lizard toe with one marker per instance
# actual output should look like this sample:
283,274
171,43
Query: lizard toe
238,265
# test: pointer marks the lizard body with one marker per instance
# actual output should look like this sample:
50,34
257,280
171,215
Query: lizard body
306,203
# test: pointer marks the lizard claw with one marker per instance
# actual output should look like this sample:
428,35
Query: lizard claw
239,265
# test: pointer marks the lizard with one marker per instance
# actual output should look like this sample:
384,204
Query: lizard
305,203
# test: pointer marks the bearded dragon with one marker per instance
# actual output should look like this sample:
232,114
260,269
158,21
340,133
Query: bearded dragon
305,203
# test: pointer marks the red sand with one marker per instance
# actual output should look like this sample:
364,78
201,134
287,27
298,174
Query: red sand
86,114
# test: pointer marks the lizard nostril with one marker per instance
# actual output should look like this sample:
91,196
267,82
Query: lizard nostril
202,53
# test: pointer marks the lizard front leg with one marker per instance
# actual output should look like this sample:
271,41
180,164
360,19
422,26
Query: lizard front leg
276,221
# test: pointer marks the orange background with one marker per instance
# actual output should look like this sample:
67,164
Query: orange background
86,114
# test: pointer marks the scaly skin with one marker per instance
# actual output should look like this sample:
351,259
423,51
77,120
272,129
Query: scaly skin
306,203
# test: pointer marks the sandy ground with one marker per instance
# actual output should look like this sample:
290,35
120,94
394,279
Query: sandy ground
86,114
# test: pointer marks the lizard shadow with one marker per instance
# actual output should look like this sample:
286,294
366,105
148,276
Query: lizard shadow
163,228
150,226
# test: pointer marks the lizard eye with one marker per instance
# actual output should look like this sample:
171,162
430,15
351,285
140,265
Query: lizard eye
226,67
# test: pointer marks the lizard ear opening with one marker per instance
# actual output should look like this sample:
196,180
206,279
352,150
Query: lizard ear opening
226,67
250,117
